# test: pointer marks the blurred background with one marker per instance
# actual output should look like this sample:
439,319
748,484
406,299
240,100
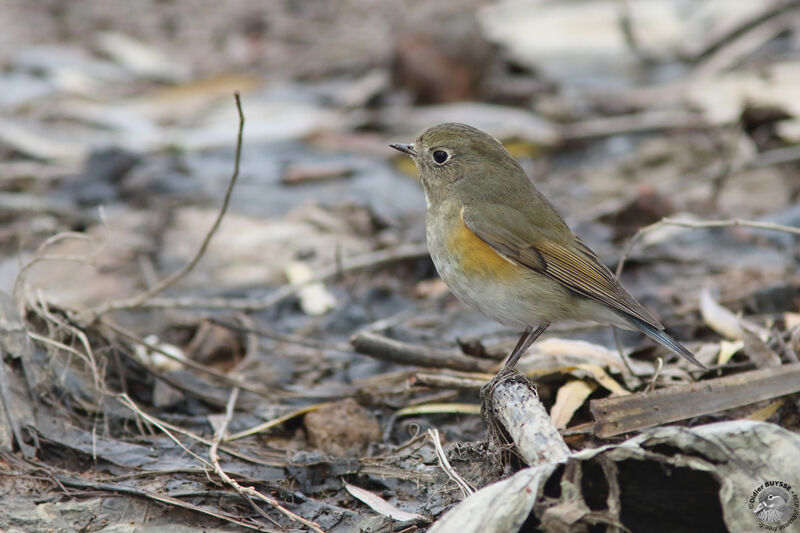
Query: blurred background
623,112
117,142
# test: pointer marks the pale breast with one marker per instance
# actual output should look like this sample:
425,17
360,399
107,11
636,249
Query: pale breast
501,289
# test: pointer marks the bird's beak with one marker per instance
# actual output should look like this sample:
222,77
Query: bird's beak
405,148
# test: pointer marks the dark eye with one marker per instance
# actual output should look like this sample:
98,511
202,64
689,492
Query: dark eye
440,156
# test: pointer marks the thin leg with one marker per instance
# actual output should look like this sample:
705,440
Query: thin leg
528,337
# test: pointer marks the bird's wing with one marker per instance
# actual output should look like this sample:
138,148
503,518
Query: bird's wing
562,257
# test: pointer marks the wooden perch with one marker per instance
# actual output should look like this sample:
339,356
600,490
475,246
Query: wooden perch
404,353
636,411
511,402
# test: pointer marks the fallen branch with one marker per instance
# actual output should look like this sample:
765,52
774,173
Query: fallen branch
404,353
512,407
622,414
176,276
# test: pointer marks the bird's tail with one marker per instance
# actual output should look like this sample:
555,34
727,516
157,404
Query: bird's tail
665,340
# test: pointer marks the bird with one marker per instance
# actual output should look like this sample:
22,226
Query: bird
501,247
773,508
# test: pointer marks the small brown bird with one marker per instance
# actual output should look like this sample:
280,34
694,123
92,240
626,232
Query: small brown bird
502,248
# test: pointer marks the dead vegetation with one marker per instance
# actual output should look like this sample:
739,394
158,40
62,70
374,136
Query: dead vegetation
201,331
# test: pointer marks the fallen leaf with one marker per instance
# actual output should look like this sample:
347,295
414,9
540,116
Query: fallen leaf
727,349
601,377
766,411
719,318
381,506
569,398
314,298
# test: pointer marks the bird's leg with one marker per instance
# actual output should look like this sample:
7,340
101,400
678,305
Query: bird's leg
528,337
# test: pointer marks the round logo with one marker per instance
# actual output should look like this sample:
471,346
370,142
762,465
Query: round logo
775,505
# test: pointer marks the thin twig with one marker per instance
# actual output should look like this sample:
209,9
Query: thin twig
738,25
262,330
194,365
360,262
44,312
652,384
275,422
11,415
168,500
625,21
161,424
699,224
39,256
249,493
130,404
176,276
466,488
622,354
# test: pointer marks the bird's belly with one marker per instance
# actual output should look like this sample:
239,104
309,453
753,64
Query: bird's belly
502,290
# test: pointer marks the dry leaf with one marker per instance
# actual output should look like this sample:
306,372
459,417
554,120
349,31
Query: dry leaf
766,411
314,298
381,506
727,349
602,378
718,318
569,398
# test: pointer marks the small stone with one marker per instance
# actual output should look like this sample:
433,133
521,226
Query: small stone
342,429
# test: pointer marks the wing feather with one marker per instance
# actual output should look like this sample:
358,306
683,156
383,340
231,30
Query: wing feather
568,261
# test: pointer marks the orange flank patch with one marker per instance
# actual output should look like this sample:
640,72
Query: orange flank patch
477,258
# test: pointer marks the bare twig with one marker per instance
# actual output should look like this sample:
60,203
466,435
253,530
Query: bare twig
176,276
194,365
512,409
275,422
130,404
161,424
632,123
360,262
743,45
167,500
262,330
625,21
463,484
652,384
248,493
39,256
699,224
739,25
44,312
405,353
451,380
622,355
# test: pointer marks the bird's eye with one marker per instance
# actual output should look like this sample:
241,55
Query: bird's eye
440,156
